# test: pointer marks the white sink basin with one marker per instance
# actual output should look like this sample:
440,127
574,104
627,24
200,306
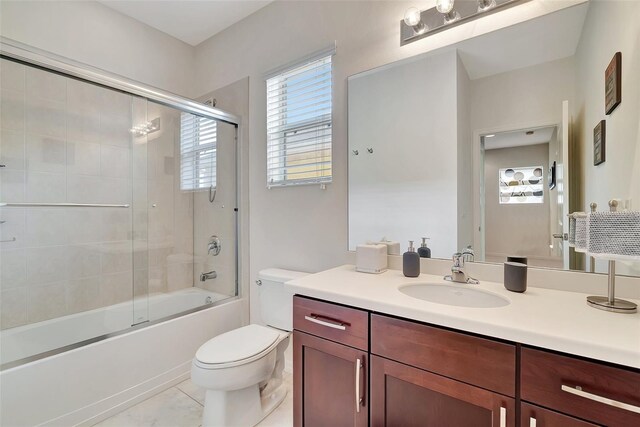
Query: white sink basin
461,296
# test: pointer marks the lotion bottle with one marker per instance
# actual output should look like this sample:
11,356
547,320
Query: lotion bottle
411,262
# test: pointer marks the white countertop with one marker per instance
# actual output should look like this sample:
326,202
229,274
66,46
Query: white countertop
551,319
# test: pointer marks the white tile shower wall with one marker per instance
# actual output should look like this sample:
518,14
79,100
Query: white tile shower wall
233,98
63,141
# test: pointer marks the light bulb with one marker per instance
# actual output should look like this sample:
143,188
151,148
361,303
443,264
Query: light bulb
444,6
412,17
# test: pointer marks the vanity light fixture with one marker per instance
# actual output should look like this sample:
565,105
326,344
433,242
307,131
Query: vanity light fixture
446,14
490,136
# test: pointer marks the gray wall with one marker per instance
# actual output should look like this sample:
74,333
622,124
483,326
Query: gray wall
517,229
609,27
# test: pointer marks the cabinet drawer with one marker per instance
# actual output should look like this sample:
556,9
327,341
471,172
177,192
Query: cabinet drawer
589,390
478,361
534,416
345,325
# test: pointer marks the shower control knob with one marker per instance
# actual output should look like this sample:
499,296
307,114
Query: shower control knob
214,246
259,282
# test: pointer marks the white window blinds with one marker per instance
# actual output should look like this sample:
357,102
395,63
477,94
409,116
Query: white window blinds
197,152
299,124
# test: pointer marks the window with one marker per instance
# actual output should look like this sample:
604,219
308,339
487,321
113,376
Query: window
521,185
197,152
299,124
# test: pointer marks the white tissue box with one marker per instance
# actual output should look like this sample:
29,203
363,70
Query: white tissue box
393,248
371,258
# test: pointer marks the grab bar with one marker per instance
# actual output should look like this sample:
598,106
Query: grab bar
61,205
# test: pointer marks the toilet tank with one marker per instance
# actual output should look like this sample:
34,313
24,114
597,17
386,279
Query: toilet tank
276,305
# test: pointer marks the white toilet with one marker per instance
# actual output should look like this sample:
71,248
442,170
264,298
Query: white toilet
241,370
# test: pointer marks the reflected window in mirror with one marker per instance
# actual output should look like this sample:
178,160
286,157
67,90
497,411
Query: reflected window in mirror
522,185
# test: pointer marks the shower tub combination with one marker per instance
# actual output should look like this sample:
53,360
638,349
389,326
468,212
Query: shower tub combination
110,308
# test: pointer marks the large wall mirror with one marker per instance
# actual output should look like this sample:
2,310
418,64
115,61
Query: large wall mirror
489,143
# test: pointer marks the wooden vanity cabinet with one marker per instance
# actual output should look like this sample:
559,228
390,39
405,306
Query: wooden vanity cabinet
357,368
423,375
330,379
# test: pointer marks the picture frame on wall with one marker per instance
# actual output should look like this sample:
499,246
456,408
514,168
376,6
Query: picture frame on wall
599,140
613,84
552,176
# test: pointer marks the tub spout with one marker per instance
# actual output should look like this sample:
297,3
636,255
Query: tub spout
210,275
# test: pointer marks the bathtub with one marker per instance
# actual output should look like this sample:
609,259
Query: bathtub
37,338
89,383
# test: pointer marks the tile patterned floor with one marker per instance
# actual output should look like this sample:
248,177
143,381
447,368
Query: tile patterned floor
181,406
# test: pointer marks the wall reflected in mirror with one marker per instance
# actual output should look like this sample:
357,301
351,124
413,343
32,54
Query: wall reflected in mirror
522,213
488,143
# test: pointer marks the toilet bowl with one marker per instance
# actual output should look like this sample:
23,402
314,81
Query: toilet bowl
241,370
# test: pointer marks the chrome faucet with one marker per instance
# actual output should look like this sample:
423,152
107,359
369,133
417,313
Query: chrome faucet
458,273
207,276
468,254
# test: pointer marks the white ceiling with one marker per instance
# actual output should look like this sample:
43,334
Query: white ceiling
192,21
519,138
547,38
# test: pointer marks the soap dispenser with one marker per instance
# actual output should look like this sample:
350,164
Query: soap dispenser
411,262
423,250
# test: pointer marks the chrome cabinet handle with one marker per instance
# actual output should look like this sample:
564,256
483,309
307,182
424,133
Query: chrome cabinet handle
358,397
316,319
615,403
13,239
532,422
503,416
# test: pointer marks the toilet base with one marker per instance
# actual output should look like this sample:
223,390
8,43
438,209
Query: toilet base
244,407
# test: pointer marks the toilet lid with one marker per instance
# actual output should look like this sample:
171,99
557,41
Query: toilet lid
238,344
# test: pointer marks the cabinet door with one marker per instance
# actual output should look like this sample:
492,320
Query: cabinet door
329,383
534,416
405,396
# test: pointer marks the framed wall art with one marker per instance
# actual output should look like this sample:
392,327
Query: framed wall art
599,139
613,84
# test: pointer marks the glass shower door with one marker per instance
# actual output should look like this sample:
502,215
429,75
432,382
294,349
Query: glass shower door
72,227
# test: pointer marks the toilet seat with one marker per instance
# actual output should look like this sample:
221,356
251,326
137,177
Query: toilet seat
237,347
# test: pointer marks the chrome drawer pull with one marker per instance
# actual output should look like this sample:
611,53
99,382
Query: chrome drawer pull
532,422
358,369
316,319
579,392
503,417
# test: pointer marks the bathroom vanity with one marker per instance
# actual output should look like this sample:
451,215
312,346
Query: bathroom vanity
365,353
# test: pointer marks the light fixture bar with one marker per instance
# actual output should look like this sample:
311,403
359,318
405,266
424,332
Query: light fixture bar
463,11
